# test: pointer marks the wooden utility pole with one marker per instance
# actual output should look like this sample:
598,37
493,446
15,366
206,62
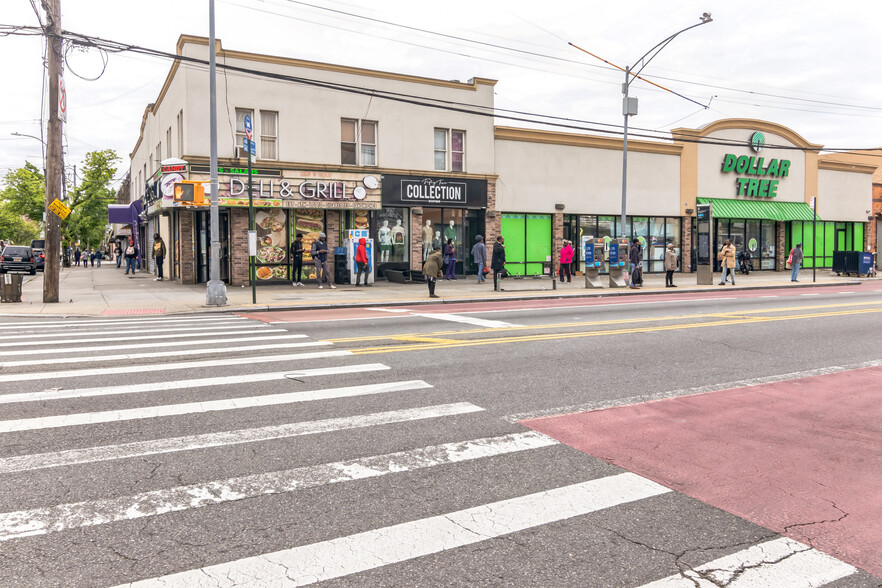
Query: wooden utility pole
52,268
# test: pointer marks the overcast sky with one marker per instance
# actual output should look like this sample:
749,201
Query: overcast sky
810,65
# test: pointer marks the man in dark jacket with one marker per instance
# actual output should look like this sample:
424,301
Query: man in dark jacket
296,251
320,257
498,263
636,258
479,254
158,254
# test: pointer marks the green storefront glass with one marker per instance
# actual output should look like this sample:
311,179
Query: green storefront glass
515,233
538,242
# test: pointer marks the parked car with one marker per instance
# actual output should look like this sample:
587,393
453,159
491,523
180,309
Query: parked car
17,258
38,246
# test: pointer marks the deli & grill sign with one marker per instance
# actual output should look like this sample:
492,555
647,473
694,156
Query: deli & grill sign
434,191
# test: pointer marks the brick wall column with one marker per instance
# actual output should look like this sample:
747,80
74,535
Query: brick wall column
781,252
332,230
239,247
416,239
686,244
492,218
556,241
187,246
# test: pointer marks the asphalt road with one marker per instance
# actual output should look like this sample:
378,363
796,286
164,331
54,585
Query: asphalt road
387,446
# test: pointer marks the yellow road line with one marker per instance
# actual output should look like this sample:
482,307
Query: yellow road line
619,321
553,336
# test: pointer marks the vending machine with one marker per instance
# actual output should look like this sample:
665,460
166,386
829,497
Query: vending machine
618,262
351,243
593,255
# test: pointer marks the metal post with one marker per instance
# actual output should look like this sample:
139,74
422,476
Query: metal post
814,240
216,293
51,269
625,111
251,227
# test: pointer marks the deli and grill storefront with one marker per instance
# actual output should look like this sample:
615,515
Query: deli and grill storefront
433,210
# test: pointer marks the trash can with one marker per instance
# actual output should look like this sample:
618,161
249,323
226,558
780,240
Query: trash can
341,272
839,262
864,263
10,288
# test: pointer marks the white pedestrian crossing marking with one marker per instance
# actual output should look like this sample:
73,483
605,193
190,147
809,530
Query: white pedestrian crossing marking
23,463
165,367
115,322
203,343
780,563
67,332
254,330
469,320
41,521
167,353
149,412
309,564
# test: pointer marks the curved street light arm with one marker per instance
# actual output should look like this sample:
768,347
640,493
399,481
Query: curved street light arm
661,45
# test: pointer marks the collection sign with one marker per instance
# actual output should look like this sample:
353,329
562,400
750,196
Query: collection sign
434,191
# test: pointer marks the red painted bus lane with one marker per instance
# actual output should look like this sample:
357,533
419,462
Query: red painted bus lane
801,457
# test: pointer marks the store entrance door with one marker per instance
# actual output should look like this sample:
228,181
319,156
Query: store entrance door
202,226
839,242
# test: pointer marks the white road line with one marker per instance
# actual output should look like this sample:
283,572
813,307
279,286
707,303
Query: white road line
810,294
165,367
205,344
469,320
335,558
65,332
390,309
559,410
24,463
167,353
149,412
41,521
780,563
138,337
845,292
115,322
772,296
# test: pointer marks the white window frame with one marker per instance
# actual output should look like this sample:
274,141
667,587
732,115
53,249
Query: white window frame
266,136
360,144
448,149
181,134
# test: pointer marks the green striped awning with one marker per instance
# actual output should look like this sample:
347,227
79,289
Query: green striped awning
760,209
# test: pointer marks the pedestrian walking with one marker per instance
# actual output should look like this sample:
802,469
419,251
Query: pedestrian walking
795,260
362,262
498,262
92,258
320,258
727,262
158,255
131,256
432,270
98,255
450,260
670,266
77,255
296,251
479,254
635,256
119,253
566,259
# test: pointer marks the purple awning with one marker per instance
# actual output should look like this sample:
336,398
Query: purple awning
119,214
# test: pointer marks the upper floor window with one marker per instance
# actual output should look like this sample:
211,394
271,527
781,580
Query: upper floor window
168,152
269,134
449,150
181,134
358,142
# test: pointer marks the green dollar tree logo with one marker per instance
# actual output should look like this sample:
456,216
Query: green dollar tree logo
757,140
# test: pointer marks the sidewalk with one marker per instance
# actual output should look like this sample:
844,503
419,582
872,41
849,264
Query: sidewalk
108,291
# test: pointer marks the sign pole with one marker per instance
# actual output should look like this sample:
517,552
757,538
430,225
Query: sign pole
251,228
814,239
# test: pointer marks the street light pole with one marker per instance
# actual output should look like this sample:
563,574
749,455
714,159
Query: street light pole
216,293
629,106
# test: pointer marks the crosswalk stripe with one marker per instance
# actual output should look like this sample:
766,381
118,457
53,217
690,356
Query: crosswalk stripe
780,563
40,521
23,463
64,332
180,384
469,320
148,412
115,322
164,367
335,558
254,330
203,343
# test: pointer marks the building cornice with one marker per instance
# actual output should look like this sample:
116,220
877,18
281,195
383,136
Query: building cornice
577,140
843,166
746,124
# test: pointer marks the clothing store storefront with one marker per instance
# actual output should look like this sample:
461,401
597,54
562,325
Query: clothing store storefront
439,209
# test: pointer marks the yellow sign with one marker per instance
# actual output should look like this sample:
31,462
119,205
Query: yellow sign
59,208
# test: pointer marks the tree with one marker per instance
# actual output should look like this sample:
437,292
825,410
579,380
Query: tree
16,228
88,204
24,191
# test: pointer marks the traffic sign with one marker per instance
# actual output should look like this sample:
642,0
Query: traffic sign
59,208
248,144
248,126
62,99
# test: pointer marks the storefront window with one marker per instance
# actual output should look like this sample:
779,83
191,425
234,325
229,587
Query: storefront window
390,235
309,222
655,245
272,245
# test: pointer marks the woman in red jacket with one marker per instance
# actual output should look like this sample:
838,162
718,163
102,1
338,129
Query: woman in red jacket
362,263
566,258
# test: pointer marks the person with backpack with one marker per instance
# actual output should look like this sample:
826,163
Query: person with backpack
635,256
131,257
362,262
795,260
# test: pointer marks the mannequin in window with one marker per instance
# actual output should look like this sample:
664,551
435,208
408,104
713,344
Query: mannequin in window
384,234
399,241
436,243
427,239
450,232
